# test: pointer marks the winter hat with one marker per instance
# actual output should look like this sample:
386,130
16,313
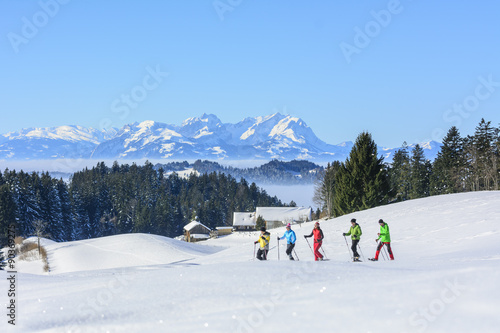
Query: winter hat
288,225
263,229
381,221
353,220
317,223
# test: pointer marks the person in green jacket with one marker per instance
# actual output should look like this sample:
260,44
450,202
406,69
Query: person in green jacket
385,239
355,233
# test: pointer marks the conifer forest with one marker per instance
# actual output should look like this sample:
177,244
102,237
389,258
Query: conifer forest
105,201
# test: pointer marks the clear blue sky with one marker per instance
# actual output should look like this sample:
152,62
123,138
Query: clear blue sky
402,70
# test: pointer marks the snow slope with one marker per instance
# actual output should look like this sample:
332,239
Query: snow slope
444,279
122,251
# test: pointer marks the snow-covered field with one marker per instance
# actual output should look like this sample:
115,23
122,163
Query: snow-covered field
445,279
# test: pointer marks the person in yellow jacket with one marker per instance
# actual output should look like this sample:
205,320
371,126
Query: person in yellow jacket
264,239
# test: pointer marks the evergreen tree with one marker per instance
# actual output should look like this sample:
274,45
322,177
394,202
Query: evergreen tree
400,173
420,174
448,167
481,157
3,260
362,181
485,139
260,222
50,207
317,215
67,226
27,206
7,213
324,188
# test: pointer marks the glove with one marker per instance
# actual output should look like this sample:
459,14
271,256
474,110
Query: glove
344,234
278,238
305,236
255,242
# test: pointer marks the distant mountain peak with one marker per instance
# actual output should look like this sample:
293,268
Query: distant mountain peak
205,118
274,136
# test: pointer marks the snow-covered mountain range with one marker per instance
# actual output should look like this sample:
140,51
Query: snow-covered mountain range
275,136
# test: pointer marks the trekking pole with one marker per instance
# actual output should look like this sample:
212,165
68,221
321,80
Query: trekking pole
382,250
296,255
386,252
323,250
364,259
348,251
253,251
279,249
309,245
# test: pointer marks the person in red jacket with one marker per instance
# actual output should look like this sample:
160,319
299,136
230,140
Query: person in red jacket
318,240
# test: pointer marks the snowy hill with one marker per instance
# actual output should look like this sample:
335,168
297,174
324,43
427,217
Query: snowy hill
261,138
444,278
122,251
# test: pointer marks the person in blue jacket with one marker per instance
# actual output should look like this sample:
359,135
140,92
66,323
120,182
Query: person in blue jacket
290,240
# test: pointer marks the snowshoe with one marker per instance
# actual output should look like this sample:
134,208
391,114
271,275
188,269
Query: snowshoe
373,259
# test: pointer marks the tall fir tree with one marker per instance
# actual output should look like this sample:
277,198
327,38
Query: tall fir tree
420,174
449,166
324,188
7,213
400,173
480,155
3,260
362,181
27,205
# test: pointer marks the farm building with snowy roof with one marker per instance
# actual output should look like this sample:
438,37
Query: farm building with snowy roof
194,231
273,216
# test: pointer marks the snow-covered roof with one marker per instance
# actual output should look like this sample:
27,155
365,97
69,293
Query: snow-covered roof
243,219
287,214
284,214
191,225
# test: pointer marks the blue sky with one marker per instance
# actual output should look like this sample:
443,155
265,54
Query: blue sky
402,70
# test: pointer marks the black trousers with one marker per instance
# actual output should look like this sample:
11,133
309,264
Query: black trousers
354,248
262,254
289,249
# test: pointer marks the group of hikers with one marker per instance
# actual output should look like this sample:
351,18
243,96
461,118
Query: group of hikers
384,238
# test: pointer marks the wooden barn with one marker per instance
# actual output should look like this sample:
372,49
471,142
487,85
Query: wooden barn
194,231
